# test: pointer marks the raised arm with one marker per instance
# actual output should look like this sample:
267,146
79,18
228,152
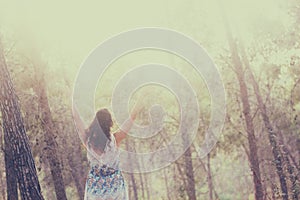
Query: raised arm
126,126
80,126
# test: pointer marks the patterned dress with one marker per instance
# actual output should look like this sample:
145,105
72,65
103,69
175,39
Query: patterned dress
105,180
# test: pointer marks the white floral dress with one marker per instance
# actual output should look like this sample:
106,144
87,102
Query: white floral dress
105,180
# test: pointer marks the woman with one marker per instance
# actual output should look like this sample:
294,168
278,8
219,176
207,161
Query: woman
105,180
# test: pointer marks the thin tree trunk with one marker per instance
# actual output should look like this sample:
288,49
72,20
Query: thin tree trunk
141,183
52,157
76,174
16,139
290,168
75,158
265,183
191,191
147,187
78,171
134,186
188,164
166,184
293,179
298,148
272,134
210,183
181,172
146,181
49,128
253,155
206,171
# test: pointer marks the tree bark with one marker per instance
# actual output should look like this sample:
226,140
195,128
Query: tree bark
290,168
20,154
2,186
2,156
11,179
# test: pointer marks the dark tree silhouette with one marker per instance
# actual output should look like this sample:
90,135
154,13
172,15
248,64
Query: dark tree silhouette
16,141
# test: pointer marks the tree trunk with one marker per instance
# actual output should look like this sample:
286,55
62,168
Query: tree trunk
2,156
77,174
166,183
133,181
272,134
146,182
191,191
16,139
298,164
141,181
206,171
2,186
181,171
210,183
11,179
290,168
253,155
49,129
142,185
75,158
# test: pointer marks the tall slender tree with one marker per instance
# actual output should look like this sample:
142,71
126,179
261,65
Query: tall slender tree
49,134
270,129
244,96
133,179
209,178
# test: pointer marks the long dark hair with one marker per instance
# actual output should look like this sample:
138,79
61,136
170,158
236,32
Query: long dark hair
99,131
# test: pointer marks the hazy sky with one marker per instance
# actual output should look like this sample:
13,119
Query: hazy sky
75,27
67,31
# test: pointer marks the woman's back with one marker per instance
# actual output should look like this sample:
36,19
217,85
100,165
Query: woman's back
105,180
109,157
